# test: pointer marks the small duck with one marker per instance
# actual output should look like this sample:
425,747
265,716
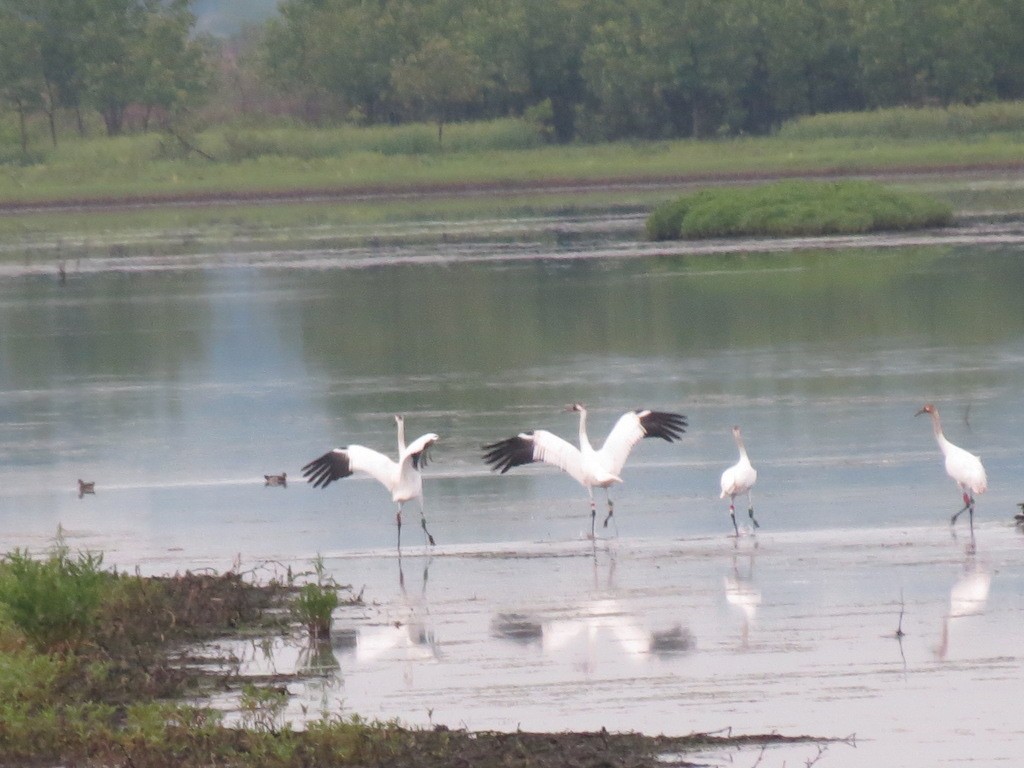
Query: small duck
1019,517
277,480
84,488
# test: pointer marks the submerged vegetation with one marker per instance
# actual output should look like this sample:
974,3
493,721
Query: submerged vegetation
793,208
94,665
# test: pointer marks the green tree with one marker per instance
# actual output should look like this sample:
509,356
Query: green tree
548,38
21,83
626,80
1001,31
802,61
339,53
917,52
174,72
136,52
52,43
690,60
437,79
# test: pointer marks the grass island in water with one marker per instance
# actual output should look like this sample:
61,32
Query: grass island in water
795,208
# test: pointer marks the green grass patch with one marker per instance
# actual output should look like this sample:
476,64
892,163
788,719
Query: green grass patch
793,208
956,122
277,160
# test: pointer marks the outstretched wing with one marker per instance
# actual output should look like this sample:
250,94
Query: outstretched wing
529,447
418,450
342,462
634,426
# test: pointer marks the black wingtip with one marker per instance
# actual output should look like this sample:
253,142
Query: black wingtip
510,452
667,426
321,471
421,459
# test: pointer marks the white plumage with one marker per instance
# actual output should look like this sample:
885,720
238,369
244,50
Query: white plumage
739,479
402,478
589,467
964,467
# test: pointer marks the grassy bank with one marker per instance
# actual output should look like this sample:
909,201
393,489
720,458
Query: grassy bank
93,665
246,161
421,181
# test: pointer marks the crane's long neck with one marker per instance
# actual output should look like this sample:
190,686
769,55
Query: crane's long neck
939,437
401,434
743,450
584,440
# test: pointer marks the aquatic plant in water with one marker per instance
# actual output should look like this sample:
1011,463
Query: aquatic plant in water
795,208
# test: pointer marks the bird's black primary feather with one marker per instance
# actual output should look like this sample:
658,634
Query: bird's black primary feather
667,426
508,453
333,465
419,460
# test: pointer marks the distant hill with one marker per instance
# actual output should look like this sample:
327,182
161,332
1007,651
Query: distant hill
225,17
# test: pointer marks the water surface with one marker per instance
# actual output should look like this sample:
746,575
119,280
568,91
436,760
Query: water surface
176,377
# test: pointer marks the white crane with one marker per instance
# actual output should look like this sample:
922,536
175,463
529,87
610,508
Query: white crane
402,478
964,467
591,468
739,479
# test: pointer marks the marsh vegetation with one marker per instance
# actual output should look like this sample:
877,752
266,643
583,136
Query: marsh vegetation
795,208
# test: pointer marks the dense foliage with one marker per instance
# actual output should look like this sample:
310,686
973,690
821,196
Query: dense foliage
792,208
643,68
108,56
590,70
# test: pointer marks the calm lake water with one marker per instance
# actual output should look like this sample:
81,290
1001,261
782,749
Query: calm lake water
175,374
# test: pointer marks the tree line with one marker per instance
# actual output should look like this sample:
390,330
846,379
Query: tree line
103,55
585,69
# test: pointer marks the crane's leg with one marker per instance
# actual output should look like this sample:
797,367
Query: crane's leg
593,512
732,514
611,508
968,505
750,510
423,523
398,522
611,511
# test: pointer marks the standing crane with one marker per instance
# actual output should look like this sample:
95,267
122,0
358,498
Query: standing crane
739,479
964,467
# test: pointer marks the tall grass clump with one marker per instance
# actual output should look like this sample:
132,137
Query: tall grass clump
55,601
955,122
315,602
793,208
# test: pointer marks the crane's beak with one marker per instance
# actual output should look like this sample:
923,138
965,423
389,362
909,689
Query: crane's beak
920,412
